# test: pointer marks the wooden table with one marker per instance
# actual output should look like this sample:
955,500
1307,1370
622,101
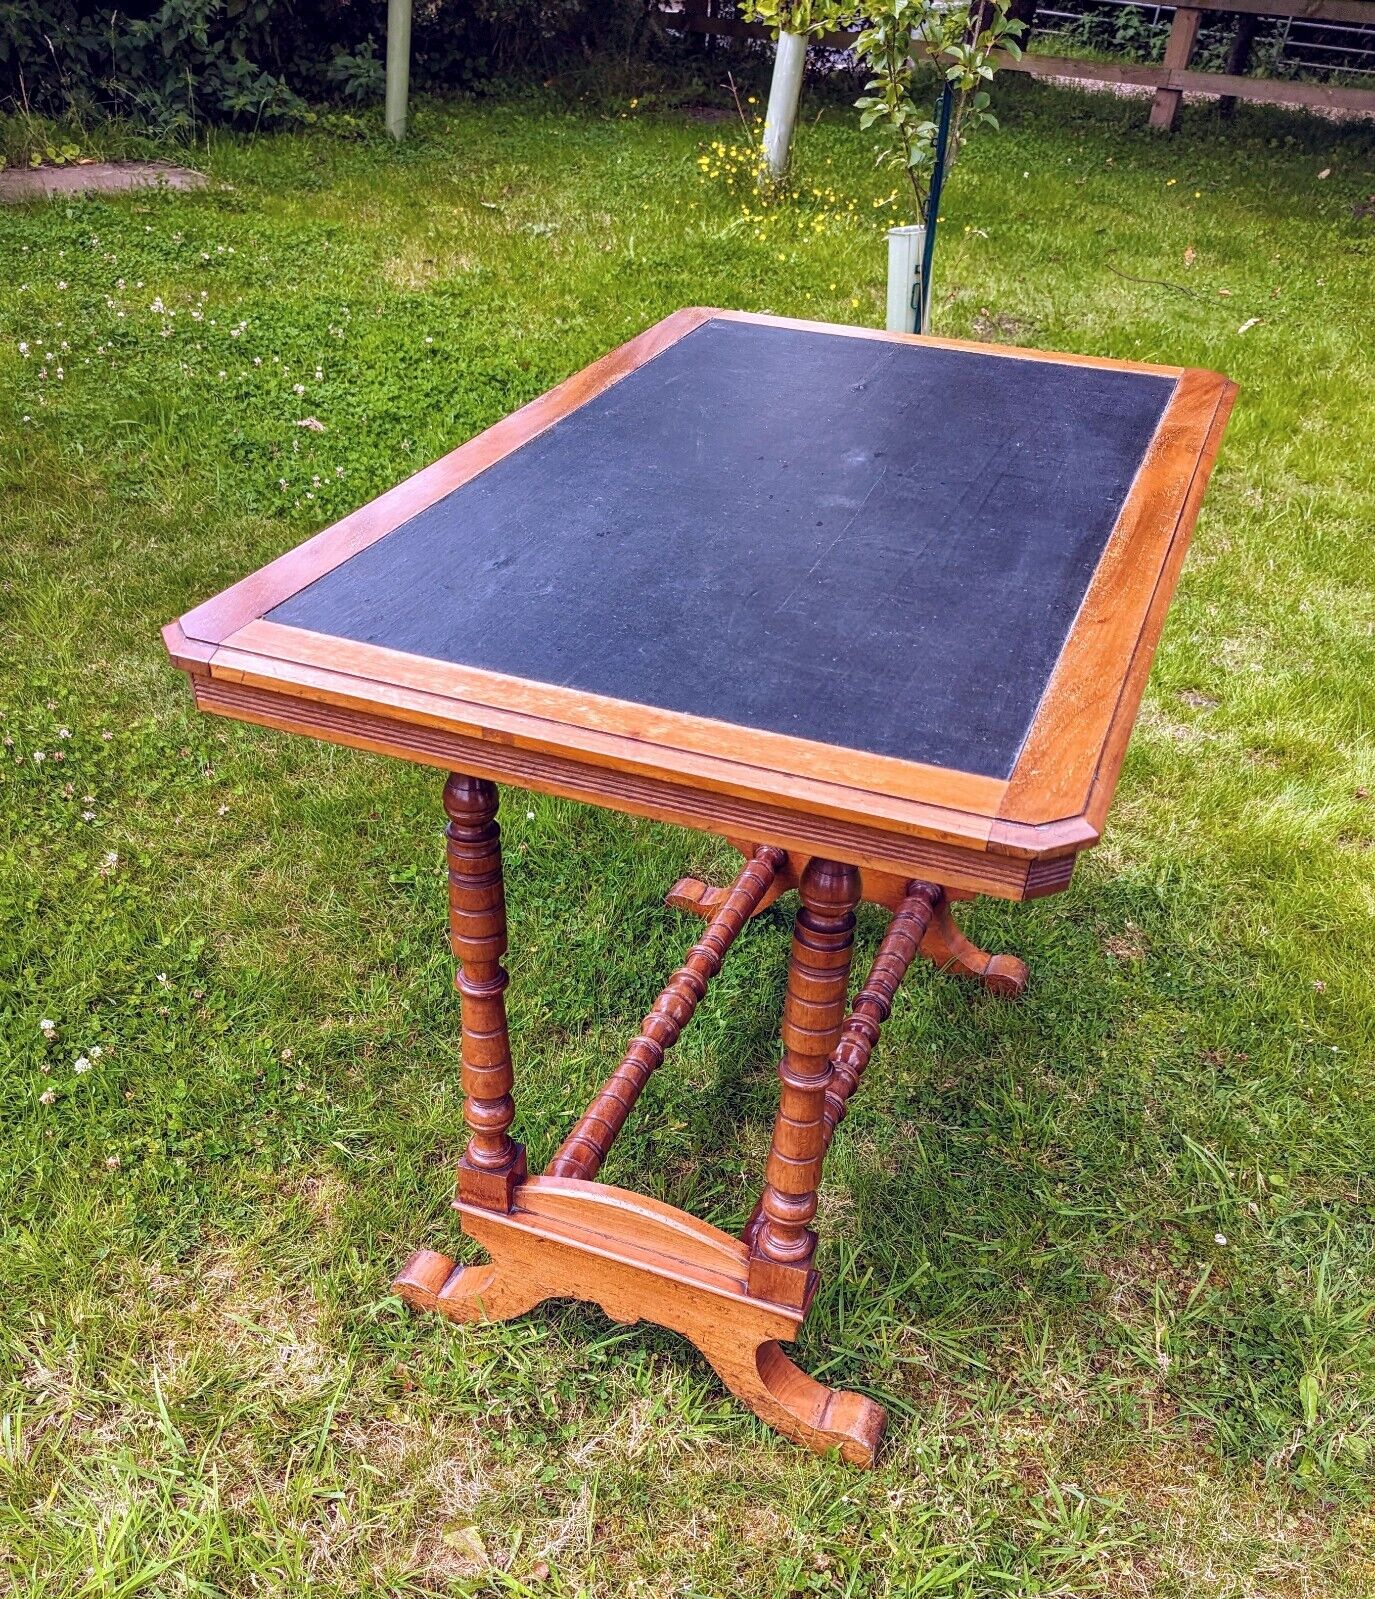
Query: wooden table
878,610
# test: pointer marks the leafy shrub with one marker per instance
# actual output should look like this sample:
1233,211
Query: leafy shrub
174,64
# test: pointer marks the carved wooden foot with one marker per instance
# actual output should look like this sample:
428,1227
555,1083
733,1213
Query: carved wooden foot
780,1393
431,1281
947,947
640,1259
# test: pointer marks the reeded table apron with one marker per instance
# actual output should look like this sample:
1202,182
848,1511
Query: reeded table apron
878,610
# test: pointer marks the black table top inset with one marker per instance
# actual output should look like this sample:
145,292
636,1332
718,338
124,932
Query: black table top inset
875,545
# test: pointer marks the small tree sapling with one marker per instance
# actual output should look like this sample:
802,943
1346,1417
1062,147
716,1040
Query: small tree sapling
897,37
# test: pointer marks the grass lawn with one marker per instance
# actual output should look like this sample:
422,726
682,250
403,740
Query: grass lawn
1107,1254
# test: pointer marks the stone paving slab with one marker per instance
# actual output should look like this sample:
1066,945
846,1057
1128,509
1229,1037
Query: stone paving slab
96,177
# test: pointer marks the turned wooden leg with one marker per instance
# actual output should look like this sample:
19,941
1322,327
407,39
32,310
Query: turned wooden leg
493,1165
872,1007
947,947
813,1013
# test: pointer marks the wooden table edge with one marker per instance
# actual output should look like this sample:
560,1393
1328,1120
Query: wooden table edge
1073,752
967,866
1011,352
674,733
964,851
687,768
1134,680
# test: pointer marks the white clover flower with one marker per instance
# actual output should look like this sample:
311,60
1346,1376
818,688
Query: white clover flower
47,1027
1220,1238
81,1065
96,1051
47,1097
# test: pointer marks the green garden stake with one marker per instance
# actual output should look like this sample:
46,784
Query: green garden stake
933,209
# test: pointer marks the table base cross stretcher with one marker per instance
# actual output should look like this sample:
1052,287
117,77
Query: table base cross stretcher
567,1235
876,610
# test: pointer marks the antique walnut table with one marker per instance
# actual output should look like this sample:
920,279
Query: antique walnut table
878,610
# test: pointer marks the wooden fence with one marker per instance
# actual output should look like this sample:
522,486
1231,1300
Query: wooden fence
1172,78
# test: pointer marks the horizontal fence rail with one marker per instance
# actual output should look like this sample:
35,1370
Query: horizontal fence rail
1171,78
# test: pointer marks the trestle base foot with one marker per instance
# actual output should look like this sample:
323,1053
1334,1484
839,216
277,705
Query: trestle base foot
696,898
641,1260
945,946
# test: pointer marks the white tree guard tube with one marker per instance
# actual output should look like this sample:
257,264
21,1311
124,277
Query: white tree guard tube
905,246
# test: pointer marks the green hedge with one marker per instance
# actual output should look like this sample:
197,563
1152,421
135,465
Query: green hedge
177,64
